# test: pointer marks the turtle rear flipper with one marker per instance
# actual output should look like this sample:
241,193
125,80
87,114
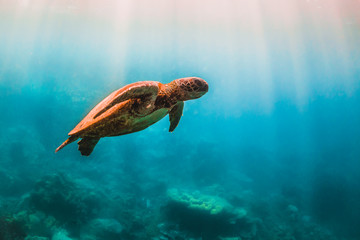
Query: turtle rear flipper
87,144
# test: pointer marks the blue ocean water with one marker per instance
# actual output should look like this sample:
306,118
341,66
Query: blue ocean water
272,151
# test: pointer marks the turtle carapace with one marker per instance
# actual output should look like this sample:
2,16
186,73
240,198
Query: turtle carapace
133,108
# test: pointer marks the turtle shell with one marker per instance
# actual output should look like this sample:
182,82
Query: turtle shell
113,103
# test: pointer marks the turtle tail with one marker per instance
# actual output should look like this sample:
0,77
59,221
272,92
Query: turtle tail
69,140
87,144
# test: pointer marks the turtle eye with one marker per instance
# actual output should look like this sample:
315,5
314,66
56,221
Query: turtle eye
198,85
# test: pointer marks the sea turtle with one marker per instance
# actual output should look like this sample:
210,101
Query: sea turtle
133,108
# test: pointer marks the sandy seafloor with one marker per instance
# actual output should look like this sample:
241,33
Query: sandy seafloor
271,152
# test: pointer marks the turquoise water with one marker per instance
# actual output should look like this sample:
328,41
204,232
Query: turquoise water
270,152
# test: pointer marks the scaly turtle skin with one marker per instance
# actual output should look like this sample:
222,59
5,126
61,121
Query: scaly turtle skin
134,108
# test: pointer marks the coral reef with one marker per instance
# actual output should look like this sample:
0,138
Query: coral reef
205,215
37,223
134,205
36,238
61,234
102,229
64,208
58,196
11,229
208,205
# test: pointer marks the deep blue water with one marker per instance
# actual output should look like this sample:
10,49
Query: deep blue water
278,133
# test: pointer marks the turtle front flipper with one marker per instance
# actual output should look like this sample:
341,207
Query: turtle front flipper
87,144
175,115
146,89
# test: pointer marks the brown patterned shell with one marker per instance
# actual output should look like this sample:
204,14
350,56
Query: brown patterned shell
114,102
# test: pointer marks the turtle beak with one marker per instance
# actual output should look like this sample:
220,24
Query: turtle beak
205,87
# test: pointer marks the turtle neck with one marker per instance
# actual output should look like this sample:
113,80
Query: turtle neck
168,95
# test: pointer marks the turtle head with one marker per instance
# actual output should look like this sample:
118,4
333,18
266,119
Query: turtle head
191,88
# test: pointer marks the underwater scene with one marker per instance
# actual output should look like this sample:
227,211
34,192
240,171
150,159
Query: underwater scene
239,120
